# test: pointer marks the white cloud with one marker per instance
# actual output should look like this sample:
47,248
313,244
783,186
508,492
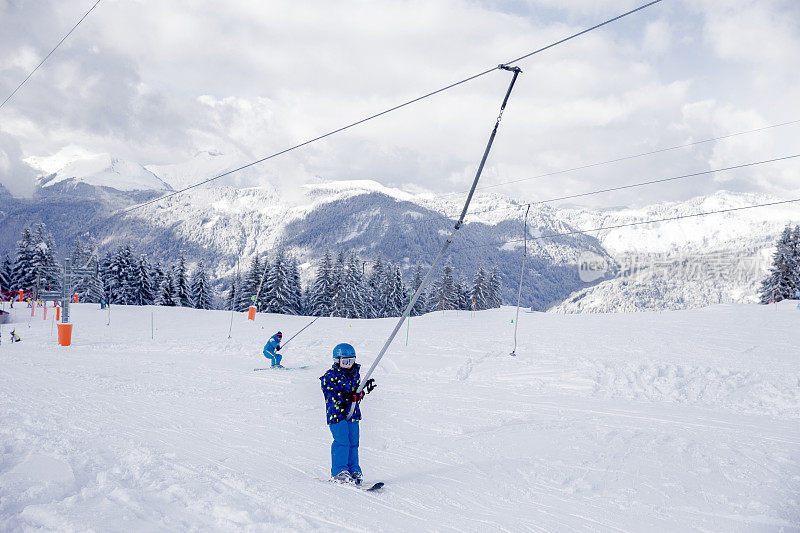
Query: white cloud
15,174
658,38
156,82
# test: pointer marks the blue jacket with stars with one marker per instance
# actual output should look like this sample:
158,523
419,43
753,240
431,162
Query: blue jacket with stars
336,384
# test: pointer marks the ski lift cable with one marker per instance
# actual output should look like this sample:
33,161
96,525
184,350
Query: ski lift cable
381,113
444,216
448,218
646,183
629,157
48,55
628,224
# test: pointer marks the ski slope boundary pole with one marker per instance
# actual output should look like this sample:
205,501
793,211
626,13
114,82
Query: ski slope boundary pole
298,333
407,311
235,295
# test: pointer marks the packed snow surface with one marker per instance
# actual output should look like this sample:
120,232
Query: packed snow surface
673,421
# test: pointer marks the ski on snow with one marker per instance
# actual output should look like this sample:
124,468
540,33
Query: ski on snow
363,488
282,368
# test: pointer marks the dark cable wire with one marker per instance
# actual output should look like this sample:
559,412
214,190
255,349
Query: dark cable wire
625,158
49,54
643,183
448,218
609,21
437,91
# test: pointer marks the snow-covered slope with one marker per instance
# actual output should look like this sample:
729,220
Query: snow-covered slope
99,170
674,421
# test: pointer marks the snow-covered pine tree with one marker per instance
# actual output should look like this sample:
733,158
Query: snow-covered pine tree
446,287
24,273
264,286
44,258
6,269
780,282
353,290
338,277
95,291
182,283
202,293
143,292
280,298
167,293
232,298
117,270
10,270
305,302
376,289
132,279
462,288
479,292
84,255
106,275
157,272
795,259
419,305
321,297
84,250
250,284
125,267
397,295
494,297
296,288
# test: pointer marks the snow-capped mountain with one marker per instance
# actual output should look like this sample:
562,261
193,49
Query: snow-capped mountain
674,264
224,224
98,170
690,262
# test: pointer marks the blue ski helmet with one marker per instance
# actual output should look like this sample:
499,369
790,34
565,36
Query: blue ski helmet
344,350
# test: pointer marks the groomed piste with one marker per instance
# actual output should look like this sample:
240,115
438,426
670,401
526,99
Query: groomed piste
684,420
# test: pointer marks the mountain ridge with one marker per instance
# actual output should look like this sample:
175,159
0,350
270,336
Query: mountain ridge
221,225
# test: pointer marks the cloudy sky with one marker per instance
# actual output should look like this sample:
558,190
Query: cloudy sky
158,81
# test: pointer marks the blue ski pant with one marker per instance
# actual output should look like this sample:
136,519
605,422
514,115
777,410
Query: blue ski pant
274,357
344,450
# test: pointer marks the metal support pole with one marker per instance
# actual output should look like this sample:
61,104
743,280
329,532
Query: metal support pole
235,296
521,275
407,311
65,292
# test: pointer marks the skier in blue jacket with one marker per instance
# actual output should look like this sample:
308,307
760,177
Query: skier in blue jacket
339,385
272,348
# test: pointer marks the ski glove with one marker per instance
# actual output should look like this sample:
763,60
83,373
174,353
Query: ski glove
357,396
277,348
369,385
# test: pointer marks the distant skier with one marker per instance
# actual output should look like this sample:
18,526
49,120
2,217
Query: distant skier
339,385
14,336
272,348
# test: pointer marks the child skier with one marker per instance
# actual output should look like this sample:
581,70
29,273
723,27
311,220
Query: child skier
272,348
339,385
14,336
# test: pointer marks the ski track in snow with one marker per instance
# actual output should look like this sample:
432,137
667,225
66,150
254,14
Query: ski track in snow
686,420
